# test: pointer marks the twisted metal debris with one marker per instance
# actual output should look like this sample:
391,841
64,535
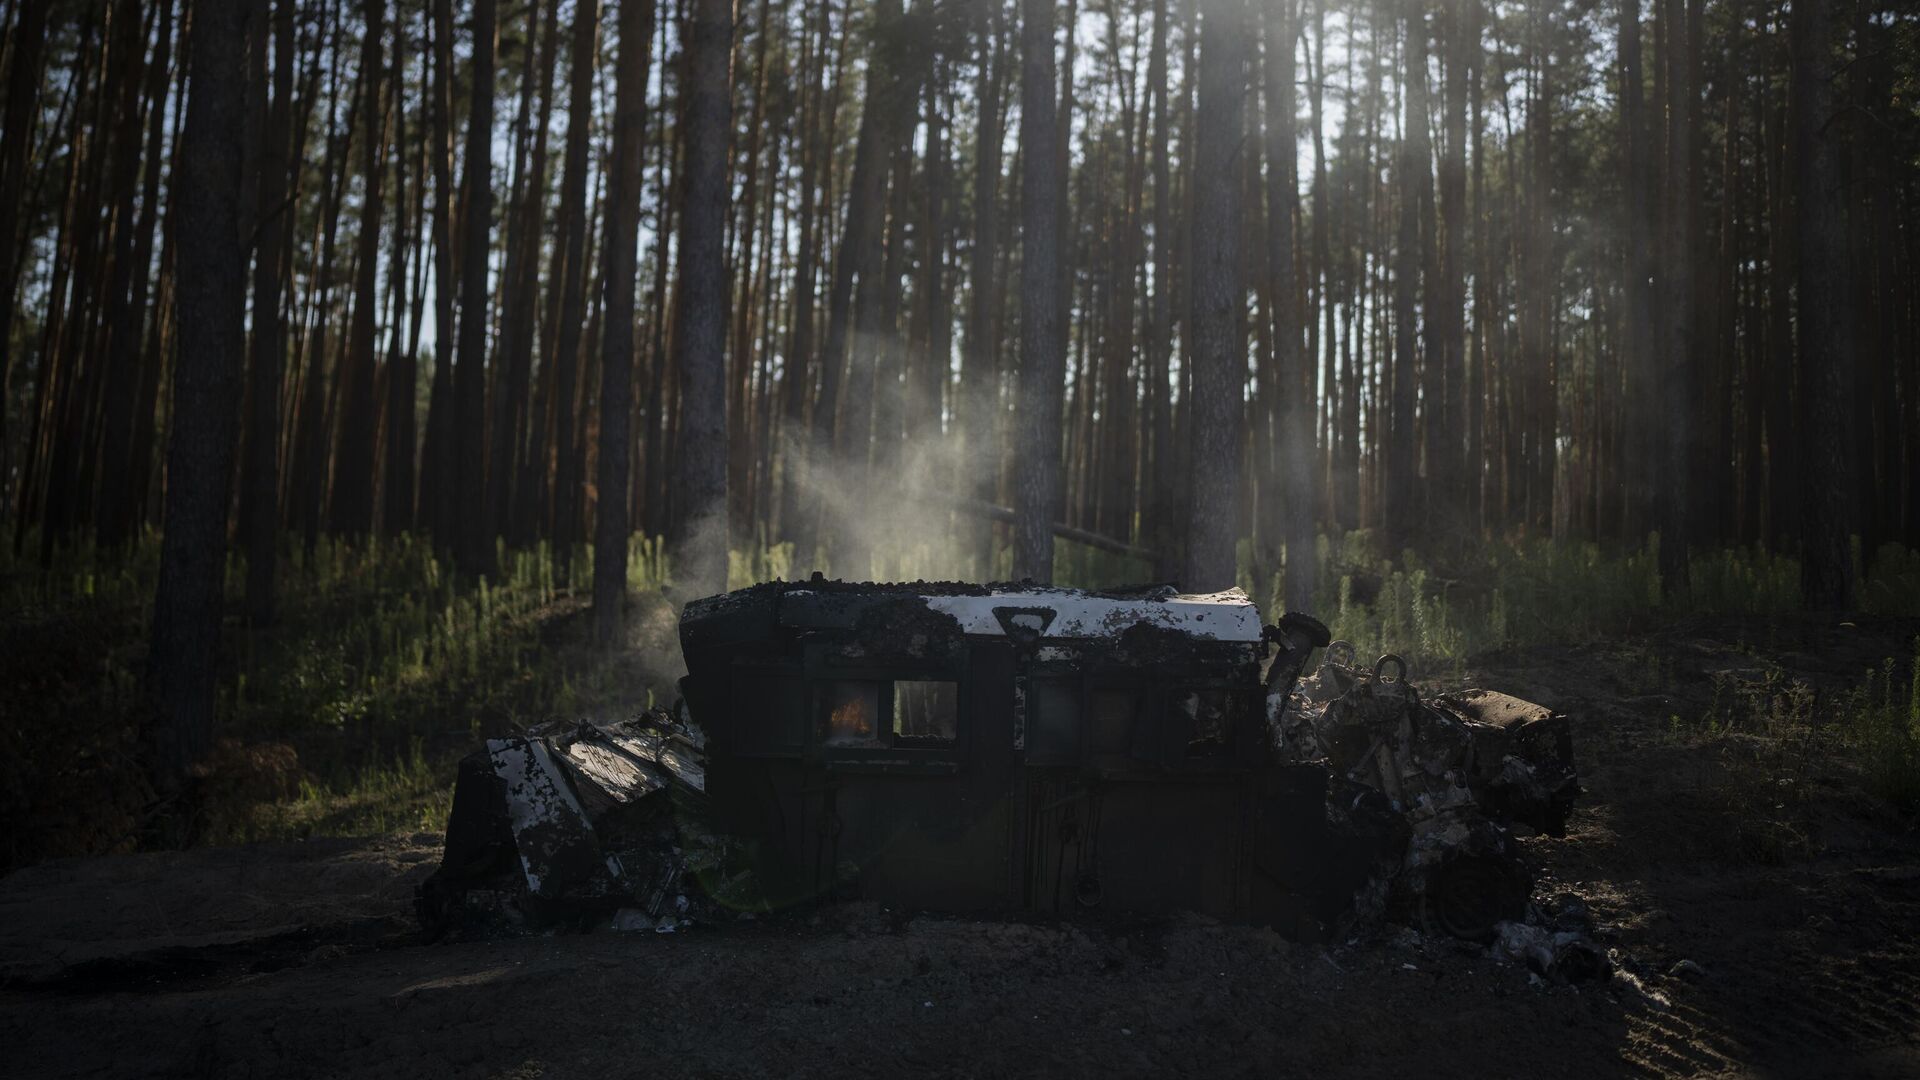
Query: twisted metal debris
1459,771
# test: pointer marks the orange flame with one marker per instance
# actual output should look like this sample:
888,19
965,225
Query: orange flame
851,719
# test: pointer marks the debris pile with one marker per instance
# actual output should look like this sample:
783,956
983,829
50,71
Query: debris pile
1461,770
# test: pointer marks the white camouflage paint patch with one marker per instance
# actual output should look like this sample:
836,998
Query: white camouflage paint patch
1221,616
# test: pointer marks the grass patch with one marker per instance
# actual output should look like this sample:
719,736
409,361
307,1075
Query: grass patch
1882,718
346,716
1777,754
1532,592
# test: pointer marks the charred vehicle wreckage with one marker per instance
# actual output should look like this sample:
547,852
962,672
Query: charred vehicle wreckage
995,749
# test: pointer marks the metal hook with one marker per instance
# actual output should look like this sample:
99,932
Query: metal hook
1339,652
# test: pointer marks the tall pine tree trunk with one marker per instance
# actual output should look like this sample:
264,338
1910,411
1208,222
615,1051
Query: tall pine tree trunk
260,485
573,276
517,461
403,376
800,372
438,467
979,371
113,524
1637,339
473,540
1218,353
351,510
1294,372
1160,506
700,316
29,36
885,130
1826,329
211,295
612,522
1676,305
1463,43
1042,339
1399,514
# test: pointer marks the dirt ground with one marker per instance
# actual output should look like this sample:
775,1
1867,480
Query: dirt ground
1707,835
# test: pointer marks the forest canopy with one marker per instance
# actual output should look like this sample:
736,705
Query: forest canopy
1201,283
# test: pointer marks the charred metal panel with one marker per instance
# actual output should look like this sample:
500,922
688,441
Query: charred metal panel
566,818
1104,752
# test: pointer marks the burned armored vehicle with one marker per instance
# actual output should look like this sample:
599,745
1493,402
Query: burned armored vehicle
994,749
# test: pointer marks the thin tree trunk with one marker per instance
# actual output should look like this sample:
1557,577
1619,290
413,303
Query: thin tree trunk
1783,447
142,467
1676,288
438,465
260,484
70,380
573,275
1638,331
979,372
120,365
351,509
29,35
1539,354
308,481
741,354
31,497
1463,43
935,359
890,359
123,488
1400,513
473,547
797,378
1159,506
1042,341
655,507
1294,368
1323,271
1825,293
517,457
1114,480
403,376
611,518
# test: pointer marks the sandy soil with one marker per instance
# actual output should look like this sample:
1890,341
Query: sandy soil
1795,898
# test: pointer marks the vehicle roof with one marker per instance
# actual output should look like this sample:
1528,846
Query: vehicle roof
1221,616
1039,611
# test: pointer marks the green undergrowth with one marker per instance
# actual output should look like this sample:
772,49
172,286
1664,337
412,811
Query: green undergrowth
1779,749
345,715
1882,717
1439,614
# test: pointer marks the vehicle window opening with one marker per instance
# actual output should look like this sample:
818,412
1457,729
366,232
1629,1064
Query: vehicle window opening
926,711
772,711
1208,717
853,709
1113,717
1053,721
